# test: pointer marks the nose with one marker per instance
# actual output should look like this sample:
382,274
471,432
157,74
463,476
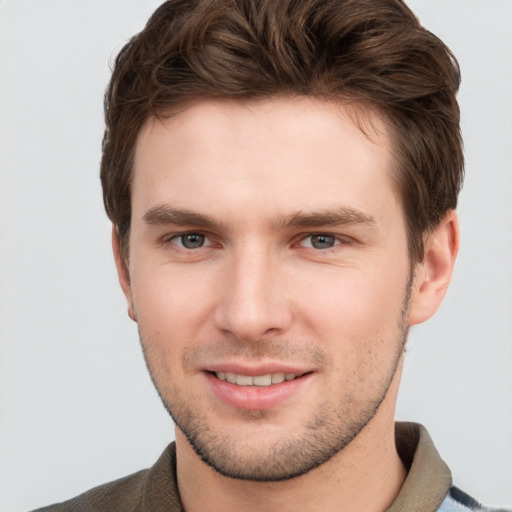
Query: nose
253,299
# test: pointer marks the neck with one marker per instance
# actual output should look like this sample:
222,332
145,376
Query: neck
366,475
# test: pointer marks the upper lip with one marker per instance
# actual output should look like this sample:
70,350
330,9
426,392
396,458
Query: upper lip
254,370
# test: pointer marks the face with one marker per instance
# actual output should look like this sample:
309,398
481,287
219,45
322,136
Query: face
269,276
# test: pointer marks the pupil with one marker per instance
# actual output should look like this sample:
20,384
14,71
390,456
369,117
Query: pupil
322,241
192,240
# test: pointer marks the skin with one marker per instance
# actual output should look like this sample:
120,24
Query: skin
296,262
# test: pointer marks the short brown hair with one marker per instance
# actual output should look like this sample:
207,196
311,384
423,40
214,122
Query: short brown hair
371,51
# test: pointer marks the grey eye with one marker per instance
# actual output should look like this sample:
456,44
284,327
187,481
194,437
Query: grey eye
191,240
323,241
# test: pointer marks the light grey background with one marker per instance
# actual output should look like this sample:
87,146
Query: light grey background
77,407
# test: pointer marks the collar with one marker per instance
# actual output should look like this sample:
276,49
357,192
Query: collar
428,478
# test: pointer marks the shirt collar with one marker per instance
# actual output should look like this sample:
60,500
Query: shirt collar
428,478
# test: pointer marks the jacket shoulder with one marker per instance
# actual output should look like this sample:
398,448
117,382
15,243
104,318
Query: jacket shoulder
123,494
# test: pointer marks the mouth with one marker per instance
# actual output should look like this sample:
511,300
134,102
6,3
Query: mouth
257,389
266,380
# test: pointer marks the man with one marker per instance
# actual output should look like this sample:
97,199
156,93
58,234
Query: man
282,178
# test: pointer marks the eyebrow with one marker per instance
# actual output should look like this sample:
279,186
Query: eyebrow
162,215
337,217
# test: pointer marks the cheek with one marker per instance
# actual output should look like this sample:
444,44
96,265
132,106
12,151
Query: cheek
352,297
356,317
172,301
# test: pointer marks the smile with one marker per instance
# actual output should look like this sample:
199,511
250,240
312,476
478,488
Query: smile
262,389
256,380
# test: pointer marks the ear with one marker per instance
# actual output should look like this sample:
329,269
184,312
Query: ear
432,276
123,274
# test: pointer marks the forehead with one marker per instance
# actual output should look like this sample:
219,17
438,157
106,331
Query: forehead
299,116
283,152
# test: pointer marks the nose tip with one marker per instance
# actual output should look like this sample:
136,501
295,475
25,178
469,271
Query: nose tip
247,326
252,303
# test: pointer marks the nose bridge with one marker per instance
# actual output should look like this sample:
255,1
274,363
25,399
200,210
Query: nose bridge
252,302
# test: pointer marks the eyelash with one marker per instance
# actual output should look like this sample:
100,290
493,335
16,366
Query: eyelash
171,239
337,240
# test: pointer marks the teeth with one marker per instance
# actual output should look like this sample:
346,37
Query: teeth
244,380
258,380
277,378
262,380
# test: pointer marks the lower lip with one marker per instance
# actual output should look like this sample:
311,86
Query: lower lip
255,398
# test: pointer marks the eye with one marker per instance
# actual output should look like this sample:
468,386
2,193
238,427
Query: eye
189,240
320,241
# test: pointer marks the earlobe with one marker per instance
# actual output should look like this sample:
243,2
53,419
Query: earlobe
433,274
122,273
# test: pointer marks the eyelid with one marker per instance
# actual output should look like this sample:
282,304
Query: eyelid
170,238
339,239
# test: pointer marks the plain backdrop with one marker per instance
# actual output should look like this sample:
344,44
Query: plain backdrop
77,405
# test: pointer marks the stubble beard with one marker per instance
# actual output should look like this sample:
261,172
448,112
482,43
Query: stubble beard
328,432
